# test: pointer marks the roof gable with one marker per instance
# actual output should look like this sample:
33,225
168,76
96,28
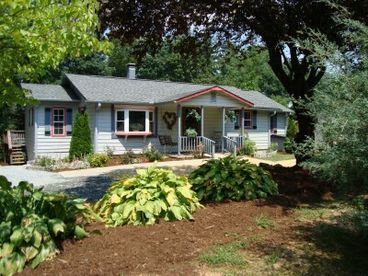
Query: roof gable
214,89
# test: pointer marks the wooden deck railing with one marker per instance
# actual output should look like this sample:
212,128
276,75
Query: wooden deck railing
190,144
15,138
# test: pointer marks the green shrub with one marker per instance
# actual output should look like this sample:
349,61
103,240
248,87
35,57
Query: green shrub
231,178
191,132
45,161
32,223
128,157
144,199
249,148
289,145
152,154
80,144
109,151
98,159
274,147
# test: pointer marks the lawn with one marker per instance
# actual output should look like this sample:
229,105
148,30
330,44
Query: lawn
279,156
286,234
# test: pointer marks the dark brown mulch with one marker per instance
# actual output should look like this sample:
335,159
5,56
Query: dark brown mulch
171,248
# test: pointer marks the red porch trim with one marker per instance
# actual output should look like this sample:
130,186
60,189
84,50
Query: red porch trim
214,89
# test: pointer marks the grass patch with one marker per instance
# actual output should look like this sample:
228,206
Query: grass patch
274,256
307,214
279,156
227,254
264,222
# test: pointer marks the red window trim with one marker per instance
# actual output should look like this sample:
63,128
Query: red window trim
52,122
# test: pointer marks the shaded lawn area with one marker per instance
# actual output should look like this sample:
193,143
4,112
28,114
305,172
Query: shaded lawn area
279,156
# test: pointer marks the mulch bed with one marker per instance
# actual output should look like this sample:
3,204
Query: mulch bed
171,248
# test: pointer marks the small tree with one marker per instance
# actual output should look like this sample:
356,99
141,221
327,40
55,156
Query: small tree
81,144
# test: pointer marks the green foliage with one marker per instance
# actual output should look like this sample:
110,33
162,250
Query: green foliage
170,62
191,132
98,159
246,69
81,144
128,157
264,222
292,130
231,178
109,151
339,152
274,146
38,35
249,148
227,254
152,154
149,196
32,223
45,161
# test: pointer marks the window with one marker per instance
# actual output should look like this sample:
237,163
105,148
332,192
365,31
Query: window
120,118
58,122
134,121
247,119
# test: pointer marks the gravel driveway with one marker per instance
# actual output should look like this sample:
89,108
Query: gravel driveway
89,183
91,187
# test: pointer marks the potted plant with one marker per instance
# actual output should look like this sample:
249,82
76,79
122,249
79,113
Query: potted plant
191,133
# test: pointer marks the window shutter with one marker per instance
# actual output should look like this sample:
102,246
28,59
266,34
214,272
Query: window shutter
47,121
155,122
113,135
69,121
254,120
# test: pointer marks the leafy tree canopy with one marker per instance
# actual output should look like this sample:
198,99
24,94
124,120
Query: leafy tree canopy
275,23
38,35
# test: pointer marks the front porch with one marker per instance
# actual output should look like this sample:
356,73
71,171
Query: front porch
214,128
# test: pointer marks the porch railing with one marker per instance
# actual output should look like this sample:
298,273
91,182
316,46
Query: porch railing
191,144
15,138
233,143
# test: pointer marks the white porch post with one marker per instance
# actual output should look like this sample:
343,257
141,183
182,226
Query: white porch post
178,115
223,128
202,120
242,122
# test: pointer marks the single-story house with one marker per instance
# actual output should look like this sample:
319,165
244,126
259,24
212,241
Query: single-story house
131,114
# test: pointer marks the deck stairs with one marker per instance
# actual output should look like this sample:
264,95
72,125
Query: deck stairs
15,147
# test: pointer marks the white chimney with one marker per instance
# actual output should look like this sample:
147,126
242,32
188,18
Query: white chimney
131,71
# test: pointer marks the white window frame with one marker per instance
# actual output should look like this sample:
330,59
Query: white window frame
127,121
53,134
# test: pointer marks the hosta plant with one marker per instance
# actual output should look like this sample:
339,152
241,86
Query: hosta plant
231,178
147,197
33,222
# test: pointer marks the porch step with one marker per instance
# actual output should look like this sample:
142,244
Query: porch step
17,156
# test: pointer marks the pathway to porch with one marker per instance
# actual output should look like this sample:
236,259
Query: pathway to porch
92,183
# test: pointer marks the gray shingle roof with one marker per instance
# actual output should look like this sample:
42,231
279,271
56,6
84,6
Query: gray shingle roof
123,90
50,92
134,91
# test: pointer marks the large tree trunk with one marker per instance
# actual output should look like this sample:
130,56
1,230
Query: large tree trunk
298,78
306,130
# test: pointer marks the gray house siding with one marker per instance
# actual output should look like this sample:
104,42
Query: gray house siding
57,147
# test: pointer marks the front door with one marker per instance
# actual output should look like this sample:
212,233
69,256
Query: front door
191,118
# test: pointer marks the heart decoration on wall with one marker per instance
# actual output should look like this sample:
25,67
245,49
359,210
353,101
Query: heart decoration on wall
170,119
